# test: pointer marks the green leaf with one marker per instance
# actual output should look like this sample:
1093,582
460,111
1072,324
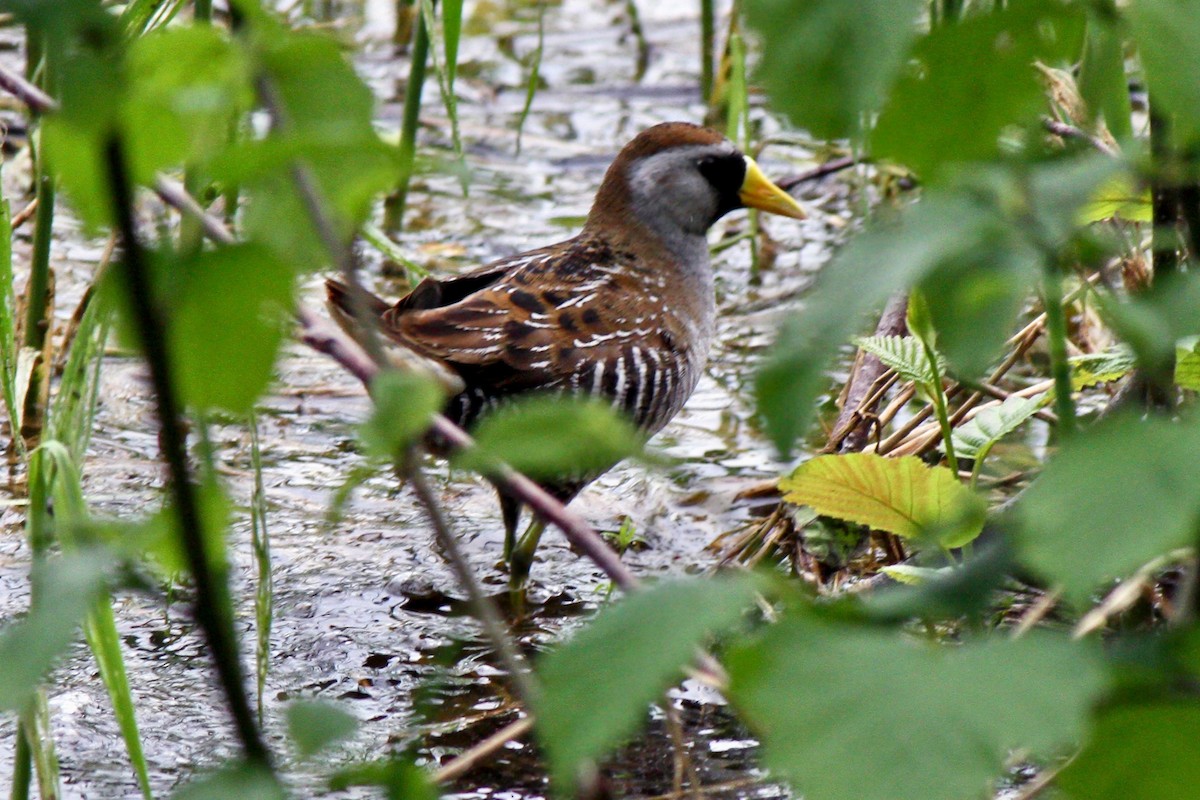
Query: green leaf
549,436
243,781
941,113
974,438
899,495
904,354
230,313
400,779
845,712
1102,80
313,726
1187,364
335,141
1168,39
1121,494
404,403
974,301
69,586
596,687
186,87
944,226
1106,366
1139,751
831,62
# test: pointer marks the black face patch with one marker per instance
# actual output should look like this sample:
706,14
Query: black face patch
725,174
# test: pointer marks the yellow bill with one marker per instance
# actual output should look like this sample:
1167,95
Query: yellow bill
758,192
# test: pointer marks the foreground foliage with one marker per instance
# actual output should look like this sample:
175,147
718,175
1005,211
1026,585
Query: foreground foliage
914,691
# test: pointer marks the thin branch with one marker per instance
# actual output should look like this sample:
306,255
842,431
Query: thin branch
481,606
1071,132
468,759
26,92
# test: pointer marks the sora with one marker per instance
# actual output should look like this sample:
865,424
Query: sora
625,311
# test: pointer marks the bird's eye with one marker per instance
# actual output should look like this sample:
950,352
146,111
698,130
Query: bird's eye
705,163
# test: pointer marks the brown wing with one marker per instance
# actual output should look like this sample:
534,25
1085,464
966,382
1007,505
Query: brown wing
576,317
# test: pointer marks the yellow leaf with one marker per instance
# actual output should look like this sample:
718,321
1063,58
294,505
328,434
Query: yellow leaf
1117,197
899,495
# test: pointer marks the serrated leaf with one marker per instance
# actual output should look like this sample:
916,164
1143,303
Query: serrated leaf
1106,366
314,725
903,495
1120,494
845,712
549,437
597,686
990,425
904,354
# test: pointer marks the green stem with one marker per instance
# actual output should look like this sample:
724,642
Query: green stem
708,35
393,204
37,299
1056,342
22,766
202,11
938,394
212,607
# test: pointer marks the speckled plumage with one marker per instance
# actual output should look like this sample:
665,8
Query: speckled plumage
625,311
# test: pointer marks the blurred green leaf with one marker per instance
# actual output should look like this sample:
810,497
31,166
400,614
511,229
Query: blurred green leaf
974,438
941,112
903,495
1137,751
404,402
845,712
69,585
596,687
400,779
1122,493
186,87
241,781
1168,39
314,725
1102,80
943,227
831,62
974,301
1152,322
335,141
230,312
550,436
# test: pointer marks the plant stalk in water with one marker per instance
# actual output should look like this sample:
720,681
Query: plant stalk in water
394,203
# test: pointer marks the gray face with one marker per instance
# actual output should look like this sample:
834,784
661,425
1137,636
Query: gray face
684,190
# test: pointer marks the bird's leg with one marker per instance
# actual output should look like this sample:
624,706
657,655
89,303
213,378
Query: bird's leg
510,512
521,559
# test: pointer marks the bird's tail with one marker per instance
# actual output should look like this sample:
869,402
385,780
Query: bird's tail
345,311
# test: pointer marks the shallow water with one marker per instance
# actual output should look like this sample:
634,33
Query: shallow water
365,609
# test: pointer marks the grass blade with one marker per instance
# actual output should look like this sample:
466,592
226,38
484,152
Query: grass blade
264,590
8,333
535,70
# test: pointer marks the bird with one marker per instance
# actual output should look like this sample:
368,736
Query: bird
623,312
